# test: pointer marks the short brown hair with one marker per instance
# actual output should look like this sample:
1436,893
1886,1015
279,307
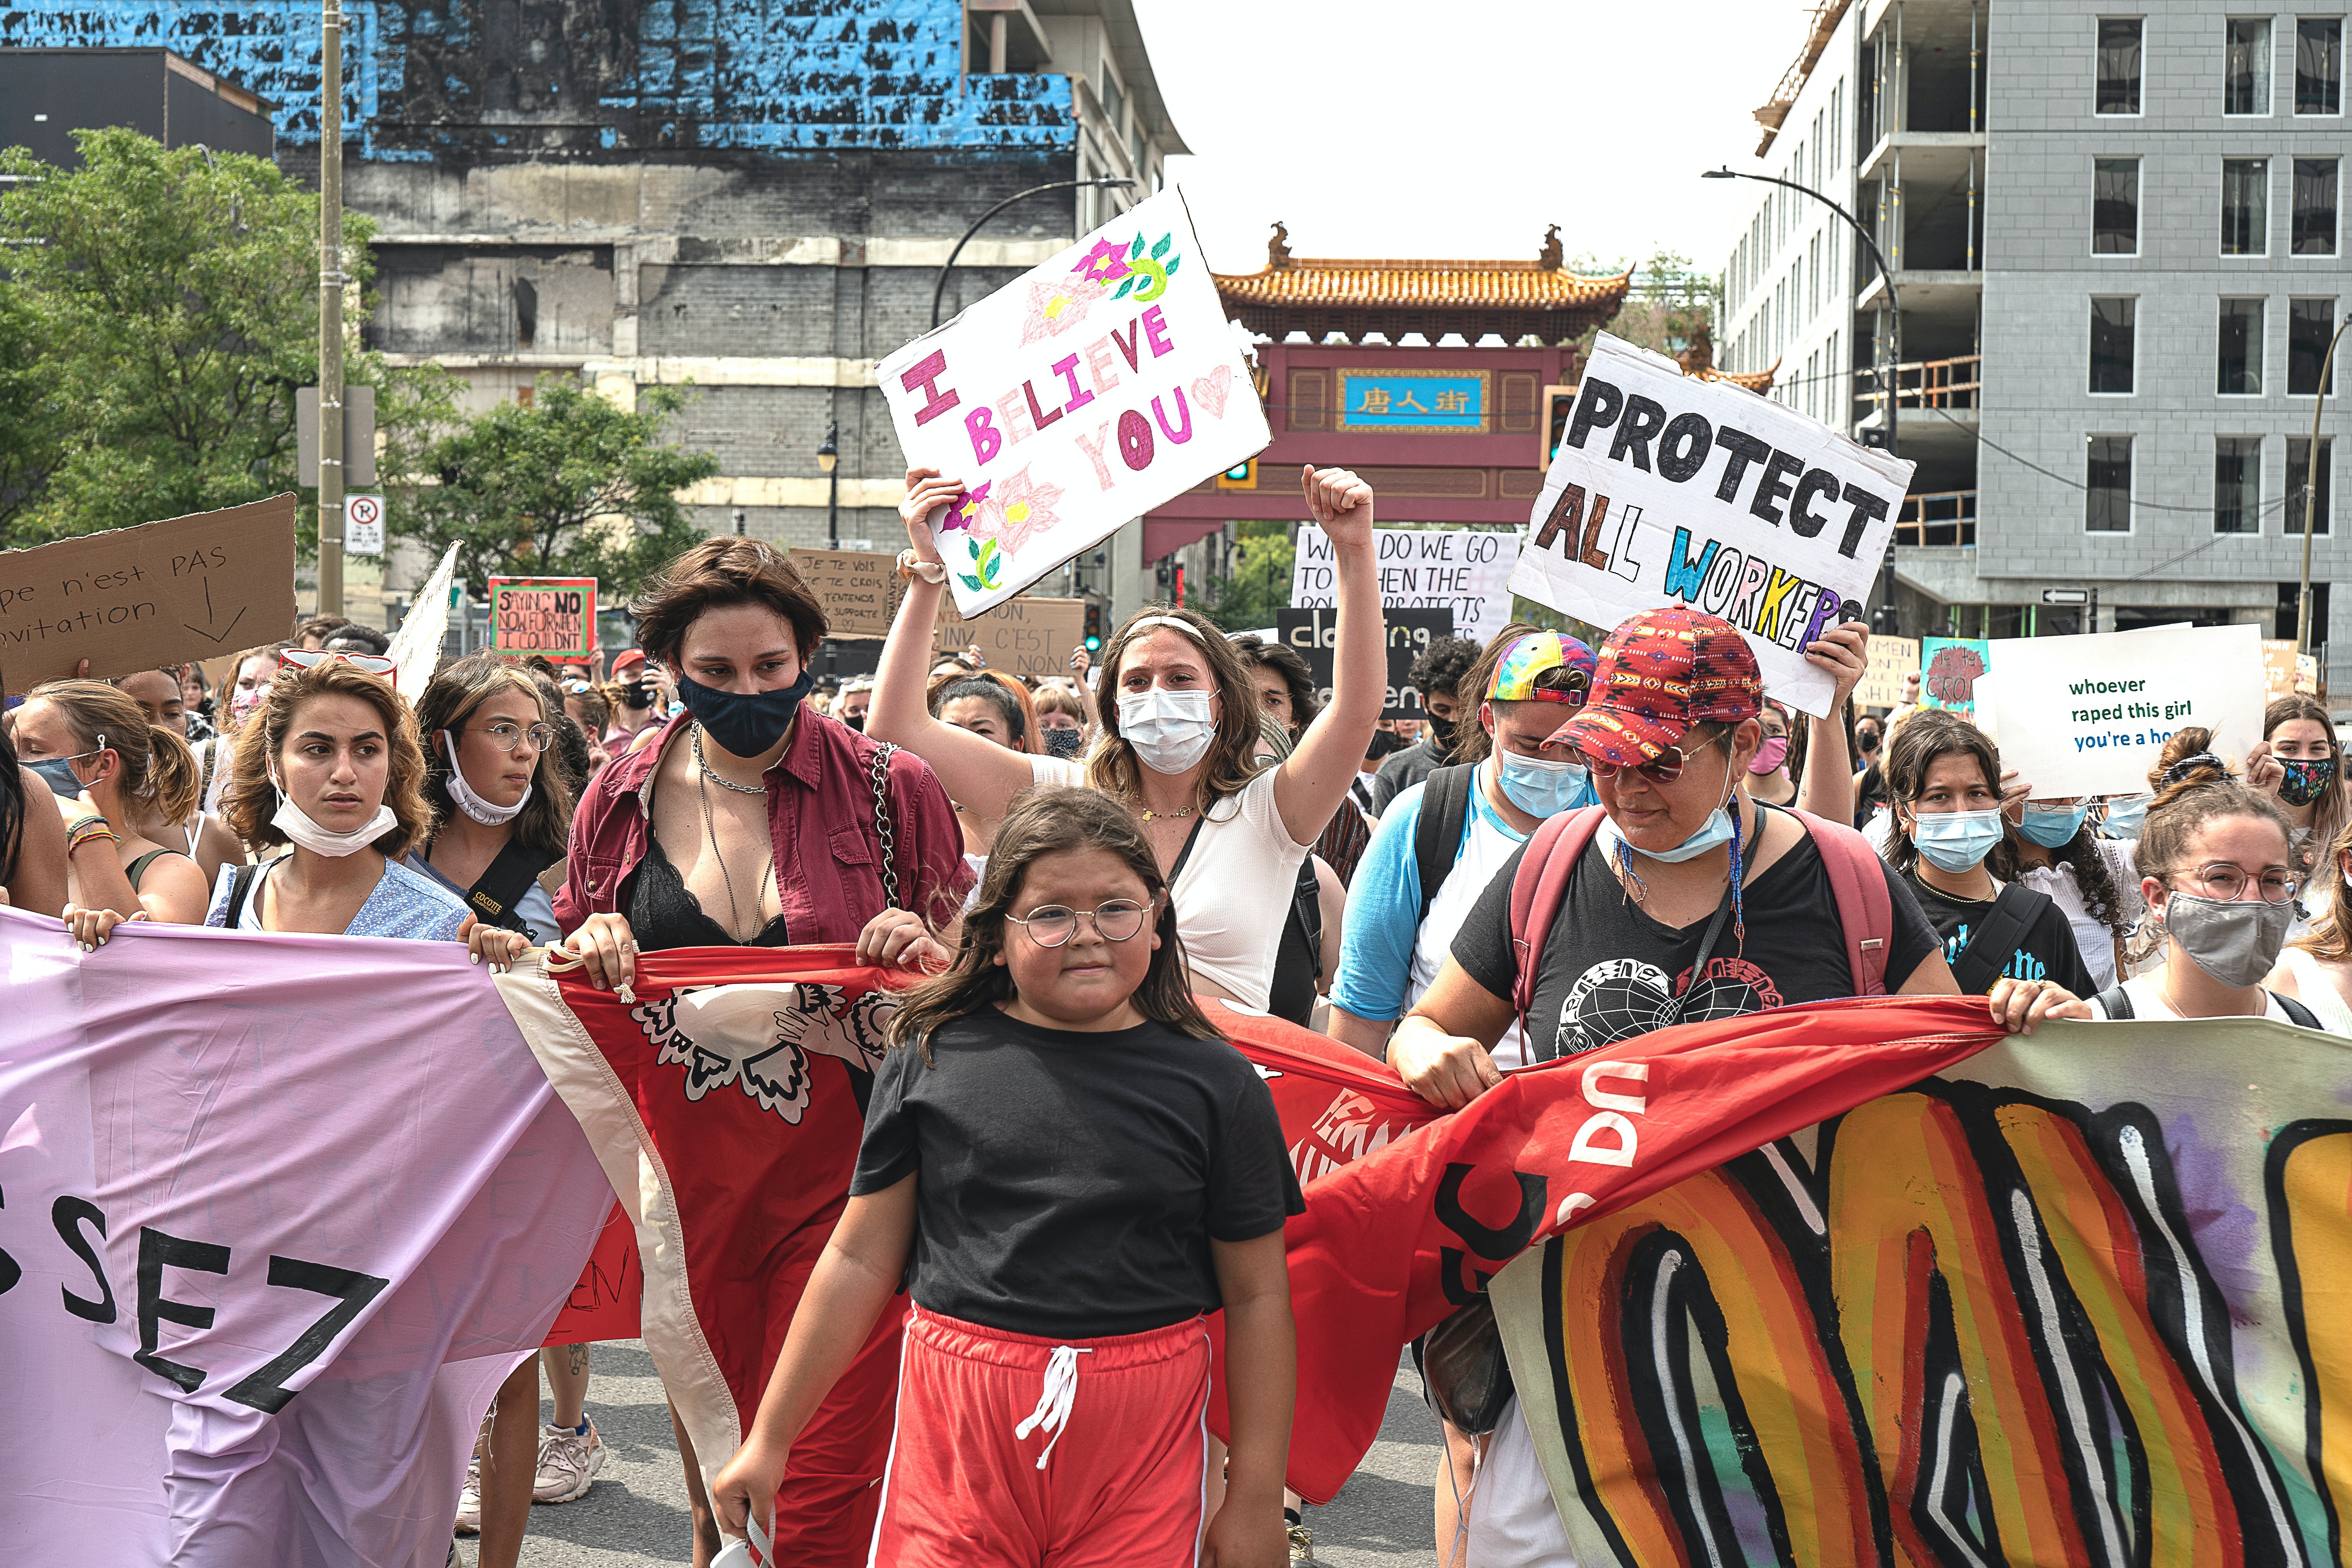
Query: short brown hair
252,799
715,574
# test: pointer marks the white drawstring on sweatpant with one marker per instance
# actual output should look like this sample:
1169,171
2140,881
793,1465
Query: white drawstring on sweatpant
1053,1411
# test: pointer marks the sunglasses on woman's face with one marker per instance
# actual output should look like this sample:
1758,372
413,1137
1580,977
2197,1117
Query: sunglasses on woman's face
310,659
1663,769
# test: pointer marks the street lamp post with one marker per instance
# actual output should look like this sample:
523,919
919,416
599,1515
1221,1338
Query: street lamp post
939,291
2311,492
1888,344
828,463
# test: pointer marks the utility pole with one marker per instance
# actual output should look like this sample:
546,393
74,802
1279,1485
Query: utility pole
331,308
2311,493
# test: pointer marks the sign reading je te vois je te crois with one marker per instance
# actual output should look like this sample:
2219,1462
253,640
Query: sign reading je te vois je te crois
1083,394
1668,489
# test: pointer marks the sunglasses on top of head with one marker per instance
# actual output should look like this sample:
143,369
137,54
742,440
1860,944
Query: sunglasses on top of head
1665,768
311,659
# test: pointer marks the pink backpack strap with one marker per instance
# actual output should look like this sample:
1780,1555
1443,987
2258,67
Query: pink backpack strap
1536,892
1858,878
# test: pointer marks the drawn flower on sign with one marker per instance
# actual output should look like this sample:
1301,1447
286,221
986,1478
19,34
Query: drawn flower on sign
966,510
1057,304
987,567
1024,509
1106,263
1147,275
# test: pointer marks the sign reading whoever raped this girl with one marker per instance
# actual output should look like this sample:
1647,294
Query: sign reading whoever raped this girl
1081,395
1667,490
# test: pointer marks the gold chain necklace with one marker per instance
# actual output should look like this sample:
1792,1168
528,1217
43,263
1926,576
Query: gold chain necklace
1151,815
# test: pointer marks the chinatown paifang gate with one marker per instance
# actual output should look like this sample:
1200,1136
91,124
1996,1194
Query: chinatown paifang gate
1442,435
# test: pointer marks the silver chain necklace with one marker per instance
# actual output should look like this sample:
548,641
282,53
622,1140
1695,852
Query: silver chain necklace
710,831
715,776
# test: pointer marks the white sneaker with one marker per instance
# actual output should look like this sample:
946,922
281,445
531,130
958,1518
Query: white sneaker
568,1463
469,1502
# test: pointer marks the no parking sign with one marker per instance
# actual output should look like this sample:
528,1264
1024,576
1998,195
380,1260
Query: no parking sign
364,524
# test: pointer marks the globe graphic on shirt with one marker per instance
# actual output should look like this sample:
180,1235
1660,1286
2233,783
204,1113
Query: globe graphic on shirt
1622,997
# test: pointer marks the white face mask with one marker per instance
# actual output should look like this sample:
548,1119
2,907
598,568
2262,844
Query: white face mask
298,826
1170,730
473,805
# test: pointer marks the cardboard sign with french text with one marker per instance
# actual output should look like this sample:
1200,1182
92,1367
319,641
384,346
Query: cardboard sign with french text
1021,636
860,589
1084,392
1667,490
2090,714
191,588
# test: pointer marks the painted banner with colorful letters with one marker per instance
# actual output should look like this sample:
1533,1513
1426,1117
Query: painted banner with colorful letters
2085,1297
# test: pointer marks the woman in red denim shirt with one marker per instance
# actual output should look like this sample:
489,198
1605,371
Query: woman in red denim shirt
751,821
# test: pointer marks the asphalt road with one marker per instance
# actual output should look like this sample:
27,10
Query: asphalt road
635,1513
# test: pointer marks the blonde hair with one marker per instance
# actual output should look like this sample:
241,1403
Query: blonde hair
252,798
158,768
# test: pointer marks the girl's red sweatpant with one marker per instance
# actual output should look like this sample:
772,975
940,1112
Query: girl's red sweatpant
1123,1417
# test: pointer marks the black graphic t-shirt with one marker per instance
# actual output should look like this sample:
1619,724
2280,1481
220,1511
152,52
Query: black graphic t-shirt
1608,970
1068,1185
2047,950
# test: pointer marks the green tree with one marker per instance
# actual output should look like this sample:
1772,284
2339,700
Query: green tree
570,485
171,300
1669,304
1260,584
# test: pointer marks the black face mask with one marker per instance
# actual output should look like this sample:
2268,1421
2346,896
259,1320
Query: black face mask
744,723
1384,742
1441,731
855,722
635,694
1867,740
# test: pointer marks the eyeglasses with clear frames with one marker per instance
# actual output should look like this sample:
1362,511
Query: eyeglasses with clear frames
506,737
2228,883
1053,925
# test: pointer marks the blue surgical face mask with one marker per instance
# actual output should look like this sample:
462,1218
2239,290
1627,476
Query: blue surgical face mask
1957,841
1541,787
2125,817
1719,829
2054,827
60,772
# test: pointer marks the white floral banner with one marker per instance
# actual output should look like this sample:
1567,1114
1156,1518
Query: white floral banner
1079,396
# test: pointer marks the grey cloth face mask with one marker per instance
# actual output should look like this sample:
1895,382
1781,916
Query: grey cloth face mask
2236,943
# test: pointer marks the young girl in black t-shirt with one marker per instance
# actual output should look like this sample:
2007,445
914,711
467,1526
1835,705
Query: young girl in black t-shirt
1079,1171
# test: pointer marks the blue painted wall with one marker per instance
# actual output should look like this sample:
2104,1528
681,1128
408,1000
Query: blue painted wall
583,78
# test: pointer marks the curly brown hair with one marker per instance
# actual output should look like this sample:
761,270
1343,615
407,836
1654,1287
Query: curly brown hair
1046,819
252,798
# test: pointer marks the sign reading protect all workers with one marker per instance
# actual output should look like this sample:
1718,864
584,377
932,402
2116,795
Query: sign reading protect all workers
1464,571
192,588
1083,394
2090,714
1314,635
551,615
1667,490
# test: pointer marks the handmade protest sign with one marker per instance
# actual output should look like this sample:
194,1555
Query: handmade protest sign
1081,395
1892,661
2286,672
2090,714
1020,636
860,589
1464,571
1949,678
1668,489
551,616
1314,635
163,593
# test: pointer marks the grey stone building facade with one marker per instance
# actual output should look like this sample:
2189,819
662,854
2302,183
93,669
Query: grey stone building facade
2116,236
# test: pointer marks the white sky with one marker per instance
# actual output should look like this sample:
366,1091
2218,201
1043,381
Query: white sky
1378,128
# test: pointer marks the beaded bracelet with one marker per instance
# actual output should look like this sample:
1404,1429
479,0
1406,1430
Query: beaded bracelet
84,830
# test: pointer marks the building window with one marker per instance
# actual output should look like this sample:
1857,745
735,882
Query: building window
2299,489
2107,482
2311,227
2118,87
2245,207
2310,323
2246,65
2237,484
2111,344
2115,206
2239,364
2319,65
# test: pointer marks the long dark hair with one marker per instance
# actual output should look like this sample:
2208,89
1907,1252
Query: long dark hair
1046,819
1927,735
450,698
12,808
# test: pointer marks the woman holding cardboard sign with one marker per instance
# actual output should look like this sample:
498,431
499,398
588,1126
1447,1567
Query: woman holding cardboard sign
1179,742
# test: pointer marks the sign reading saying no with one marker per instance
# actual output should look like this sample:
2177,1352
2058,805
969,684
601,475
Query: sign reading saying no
551,615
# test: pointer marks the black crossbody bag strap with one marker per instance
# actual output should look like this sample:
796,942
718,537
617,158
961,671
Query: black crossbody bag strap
1995,938
240,888
505,882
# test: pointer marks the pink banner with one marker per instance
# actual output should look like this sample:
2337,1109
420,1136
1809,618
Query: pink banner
277,1215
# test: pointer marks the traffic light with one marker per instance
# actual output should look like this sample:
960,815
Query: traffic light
1094,626
1241,477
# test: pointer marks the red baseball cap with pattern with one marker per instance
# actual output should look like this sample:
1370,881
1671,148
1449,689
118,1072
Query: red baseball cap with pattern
1661,672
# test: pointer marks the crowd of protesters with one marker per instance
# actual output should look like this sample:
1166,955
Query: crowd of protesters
1579,844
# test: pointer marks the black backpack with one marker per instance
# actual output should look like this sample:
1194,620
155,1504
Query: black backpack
1437,836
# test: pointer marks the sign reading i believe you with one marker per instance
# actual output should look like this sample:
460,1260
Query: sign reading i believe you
1667,490
1081,395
